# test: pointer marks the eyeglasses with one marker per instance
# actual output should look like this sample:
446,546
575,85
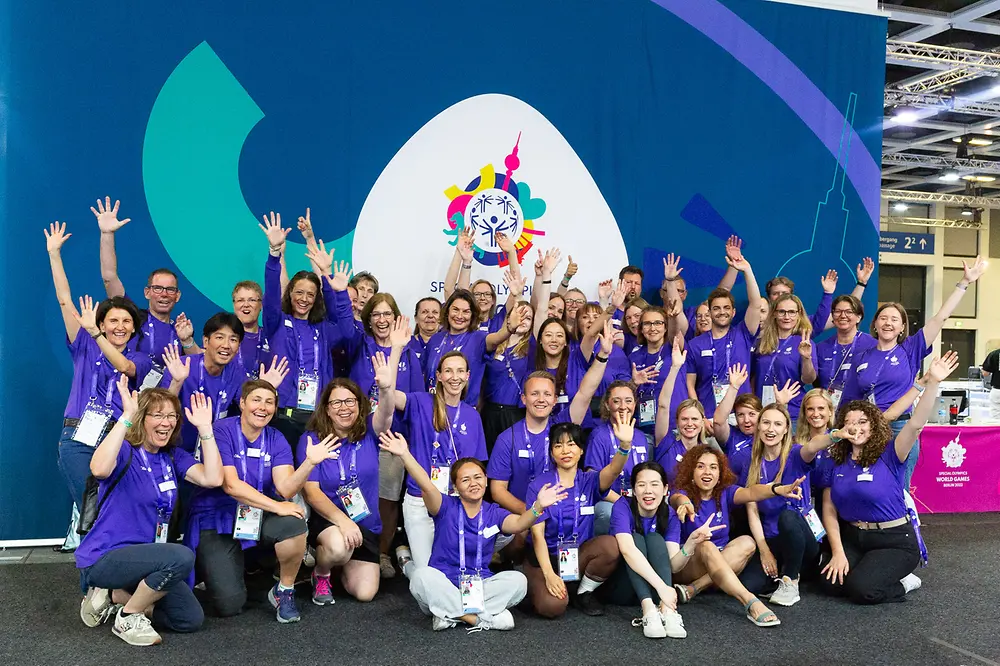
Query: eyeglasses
654,324
346,402
483,296
575,301
702,315
247,301
843,313
786,313
382,315
160,289
164,417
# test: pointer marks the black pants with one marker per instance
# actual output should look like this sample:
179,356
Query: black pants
496,419
219,561
878,559
625,586
794,547
293,426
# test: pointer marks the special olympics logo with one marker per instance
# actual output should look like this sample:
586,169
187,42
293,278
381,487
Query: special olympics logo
493,203
953,455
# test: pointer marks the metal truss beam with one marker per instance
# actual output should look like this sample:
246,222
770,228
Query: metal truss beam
940,197
933,25
931,222
943,103
941,162
964,64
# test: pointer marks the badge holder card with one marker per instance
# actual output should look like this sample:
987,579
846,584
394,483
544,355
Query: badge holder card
162,526
569,561
248,520
719,391
815,524
647,412
767,395
473,596
441,478
308,388
92,424
354,502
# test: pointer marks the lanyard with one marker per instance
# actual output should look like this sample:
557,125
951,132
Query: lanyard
256,359
728,337
451,435
111,383
531,451
878,372
507,353
152,332
651,386
152,477
298,341
576,511
218,394
461,540
245,445
848,353
770,370
354,464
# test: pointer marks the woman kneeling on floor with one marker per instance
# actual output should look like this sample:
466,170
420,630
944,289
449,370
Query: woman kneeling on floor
457,584
126,550
708,495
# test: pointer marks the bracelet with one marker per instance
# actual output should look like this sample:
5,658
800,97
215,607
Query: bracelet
126,422
184,346
861,284
566,279
774,487
467,267
673,279
684,552
600,359
535,512
835,439
920,389
97,335
959,285
622,451
546,281
207,437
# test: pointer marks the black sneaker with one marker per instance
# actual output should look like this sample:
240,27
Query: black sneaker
588,604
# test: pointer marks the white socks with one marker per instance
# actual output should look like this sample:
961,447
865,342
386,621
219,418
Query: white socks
910,582
588,585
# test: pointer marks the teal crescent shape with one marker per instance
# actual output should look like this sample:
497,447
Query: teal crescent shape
190,162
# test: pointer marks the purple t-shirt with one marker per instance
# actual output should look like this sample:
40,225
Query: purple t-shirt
308,347
740,460
505,373
737,441
94,378
154,335
223,389
718,511
602,447
771,508
573,515
784,364
650,393
872,494
836,360
212,508
623,523
141,499
480,534
472,344
519,456
669,452
496,322
254,351
576,368
357,463
463,438
886,374
709,360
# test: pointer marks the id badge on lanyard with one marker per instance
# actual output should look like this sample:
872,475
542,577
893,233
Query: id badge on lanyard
162,526
767,395
441,478
473,597
308,388
95,416
164,508
152,378
719,391
647,412
569,560
815,524
835,396
471,586
249,518
353,501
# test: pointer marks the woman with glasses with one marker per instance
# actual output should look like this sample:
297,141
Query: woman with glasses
255,349
574,299
784,352
837,356
647,362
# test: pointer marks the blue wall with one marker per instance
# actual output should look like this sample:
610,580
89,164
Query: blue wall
676,108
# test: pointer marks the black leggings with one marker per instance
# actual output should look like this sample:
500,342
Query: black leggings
793,547
878,559
626,586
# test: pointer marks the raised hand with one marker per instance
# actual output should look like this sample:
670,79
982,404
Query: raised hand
341,275
571,268
321,258
515,284
806,346
184,327
503,242
604,289
618,295
87,319
848,432
401,332
738,374
734,248
829,281
550,262
647,375
671,267
791,490
975,271
325,449
739,262
865,269
942,367
678,356
549,495
178,369
787,393
275,234
199,413
518,315
55,236
383,371
130,399
107,217
276,373
393,442
305,226
624,429
539,263
464,245
607,339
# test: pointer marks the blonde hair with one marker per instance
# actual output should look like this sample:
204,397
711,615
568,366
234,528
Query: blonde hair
519,350
757,450
149,400
696,404
769,335
802,427
440,408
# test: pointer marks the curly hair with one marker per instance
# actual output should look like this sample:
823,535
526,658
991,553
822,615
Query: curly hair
606,398
684,480
877,441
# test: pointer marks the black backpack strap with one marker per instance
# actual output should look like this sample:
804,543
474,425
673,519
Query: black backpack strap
114,484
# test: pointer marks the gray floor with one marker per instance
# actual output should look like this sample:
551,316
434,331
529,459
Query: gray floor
39,555
951,620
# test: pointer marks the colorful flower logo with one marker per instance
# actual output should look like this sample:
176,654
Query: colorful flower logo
493,203
953,454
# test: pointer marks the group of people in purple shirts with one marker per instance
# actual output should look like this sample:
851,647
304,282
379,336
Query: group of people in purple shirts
553,448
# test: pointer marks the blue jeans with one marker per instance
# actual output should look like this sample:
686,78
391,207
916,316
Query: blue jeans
165,568
911,460
602,517
74,463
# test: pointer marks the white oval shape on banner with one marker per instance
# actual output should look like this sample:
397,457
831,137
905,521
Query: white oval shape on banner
400,235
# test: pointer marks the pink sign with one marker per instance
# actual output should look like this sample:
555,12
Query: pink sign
958,470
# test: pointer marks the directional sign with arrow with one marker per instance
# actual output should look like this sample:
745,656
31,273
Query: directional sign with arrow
906,243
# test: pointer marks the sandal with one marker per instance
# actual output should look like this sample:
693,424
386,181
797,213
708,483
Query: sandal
683,595
760,620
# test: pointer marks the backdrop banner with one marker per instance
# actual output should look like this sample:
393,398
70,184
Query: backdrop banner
958,470
617,130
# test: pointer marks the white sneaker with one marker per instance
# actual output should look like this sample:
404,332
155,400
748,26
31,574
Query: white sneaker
135,629
501,622
95,606
673,623
652,625
910,583
787,593
442,623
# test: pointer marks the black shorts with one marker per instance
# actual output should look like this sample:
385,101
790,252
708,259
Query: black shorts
368,551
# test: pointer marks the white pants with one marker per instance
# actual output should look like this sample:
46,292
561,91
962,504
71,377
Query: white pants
437,595
419,530
995,404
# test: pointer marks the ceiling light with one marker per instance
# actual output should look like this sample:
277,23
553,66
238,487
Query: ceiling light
899,207
967,212
980,142
948,176
989,132
957,139
906,118
979,179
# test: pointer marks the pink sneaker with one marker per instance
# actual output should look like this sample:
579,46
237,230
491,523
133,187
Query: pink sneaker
322,594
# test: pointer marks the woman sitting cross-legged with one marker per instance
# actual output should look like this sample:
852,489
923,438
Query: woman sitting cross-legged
708,495
457,584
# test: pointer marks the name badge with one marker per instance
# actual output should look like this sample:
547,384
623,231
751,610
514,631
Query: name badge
500,357
152,378
865,477
719,391
586,510
523,454
569,562
647,412
289,324
95,418
708,352
639,449
473,597
680,456
308,388
563,399
835,398
845,366
490,531
353,501
168,485
862,366
253,453
248,520
441,478
812,519
767,395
